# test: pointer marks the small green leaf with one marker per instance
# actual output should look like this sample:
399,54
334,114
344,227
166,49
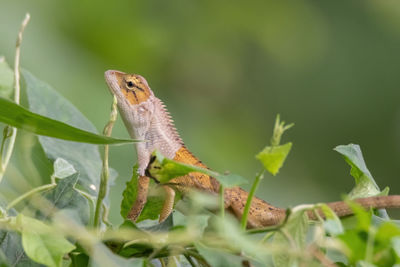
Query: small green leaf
332,224
364,218
85,158
273,157
6,78
41,243
164,169
365,183
63,168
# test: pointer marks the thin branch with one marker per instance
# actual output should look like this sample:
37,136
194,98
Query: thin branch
105,172
30,193
10,147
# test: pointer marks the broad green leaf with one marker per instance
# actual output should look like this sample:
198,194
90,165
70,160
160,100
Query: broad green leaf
229,229
296,230
41,243
19,117
198,222
12,250
11,245
164,169
218,257
273,157
101,256
64,196
85,158
6,78
365,183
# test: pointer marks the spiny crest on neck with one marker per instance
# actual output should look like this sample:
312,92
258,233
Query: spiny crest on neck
167,121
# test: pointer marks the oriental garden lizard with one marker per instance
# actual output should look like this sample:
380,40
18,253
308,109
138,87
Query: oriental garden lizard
146,117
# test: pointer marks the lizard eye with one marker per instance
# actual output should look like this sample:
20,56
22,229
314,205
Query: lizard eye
130,84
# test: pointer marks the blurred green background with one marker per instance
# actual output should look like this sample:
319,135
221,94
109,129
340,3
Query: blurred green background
225,69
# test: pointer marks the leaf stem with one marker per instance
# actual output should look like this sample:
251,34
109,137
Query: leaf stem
222,200
105,171
30,193
10,147
259,177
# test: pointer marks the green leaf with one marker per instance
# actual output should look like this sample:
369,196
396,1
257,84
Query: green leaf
363,217
273,157
164,169
101,256
63,168
396,245
218,257
198,222
41,243
356,242
296,230
332,224
12,250
365,183
85,158
11,245
6,78
64,196
19,117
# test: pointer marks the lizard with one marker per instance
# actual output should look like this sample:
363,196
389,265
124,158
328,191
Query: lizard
146,117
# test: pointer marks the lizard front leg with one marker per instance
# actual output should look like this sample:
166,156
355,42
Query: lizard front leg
143,186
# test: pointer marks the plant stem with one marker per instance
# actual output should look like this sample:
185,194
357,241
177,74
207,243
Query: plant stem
29,193
222,200
259,177
10,147
105,172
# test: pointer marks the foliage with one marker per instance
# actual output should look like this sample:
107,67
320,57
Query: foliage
52,224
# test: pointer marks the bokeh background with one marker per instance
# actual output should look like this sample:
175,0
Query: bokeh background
225,69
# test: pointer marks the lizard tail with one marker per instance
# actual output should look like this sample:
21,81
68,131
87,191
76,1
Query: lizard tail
342,209
261,213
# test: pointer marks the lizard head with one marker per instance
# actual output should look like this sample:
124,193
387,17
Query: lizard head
132,88
135,101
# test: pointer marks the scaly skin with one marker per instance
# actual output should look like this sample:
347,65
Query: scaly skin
146,118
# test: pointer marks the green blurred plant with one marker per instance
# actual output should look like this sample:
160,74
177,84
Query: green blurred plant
52,224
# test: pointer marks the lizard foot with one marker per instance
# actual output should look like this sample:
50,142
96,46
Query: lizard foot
168,203
143,186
